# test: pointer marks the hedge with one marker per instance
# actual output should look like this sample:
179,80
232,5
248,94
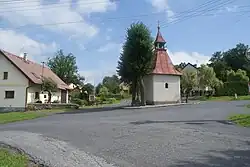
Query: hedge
39,106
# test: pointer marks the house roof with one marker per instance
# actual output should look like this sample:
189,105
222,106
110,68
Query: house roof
163,64
33,71
190,65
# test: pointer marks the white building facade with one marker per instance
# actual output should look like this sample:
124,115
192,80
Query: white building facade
18,87
163,84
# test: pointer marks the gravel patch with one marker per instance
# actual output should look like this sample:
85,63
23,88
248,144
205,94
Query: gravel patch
50,152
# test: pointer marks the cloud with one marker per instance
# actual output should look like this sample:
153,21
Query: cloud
35,12
19,43
97,6
110,46
193,57
161,6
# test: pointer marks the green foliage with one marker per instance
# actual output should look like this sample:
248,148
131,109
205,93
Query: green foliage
97,89
89,88
49,85
112,100
77,101
218,86
112,83
189,82
241,119
137,58
237,82
104,92
98,100
233,59
207,77
116,96
11,159
18,116
64,66
75,94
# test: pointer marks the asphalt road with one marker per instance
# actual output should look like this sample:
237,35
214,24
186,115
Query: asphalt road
189,135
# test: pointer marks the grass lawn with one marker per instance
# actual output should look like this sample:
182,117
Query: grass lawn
224,98
21,116
11,159
241,119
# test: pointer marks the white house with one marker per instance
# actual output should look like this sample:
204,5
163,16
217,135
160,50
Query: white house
20,82
190,68
163,84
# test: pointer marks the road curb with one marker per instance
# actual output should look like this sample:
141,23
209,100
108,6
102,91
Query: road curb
158,106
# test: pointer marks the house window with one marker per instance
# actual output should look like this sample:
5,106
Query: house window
36,95
166,85
45,96
5,75
9,94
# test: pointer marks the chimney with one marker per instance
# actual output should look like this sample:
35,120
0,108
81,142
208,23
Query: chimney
24,56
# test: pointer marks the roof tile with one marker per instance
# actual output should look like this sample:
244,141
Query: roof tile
163,64
159,37
33,71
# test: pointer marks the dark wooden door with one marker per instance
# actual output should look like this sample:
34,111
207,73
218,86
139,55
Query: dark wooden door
63,96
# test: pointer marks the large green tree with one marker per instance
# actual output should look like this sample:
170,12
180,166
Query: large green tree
206,76
97,88
112,83
189,81
137,58
64,66
237,82
232,59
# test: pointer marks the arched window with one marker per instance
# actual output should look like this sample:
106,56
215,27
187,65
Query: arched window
166,85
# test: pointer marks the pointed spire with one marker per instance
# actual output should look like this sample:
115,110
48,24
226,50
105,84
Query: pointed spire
159,38
158,26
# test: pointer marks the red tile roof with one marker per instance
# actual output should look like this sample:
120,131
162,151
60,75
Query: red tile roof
159,37
33,71
163,64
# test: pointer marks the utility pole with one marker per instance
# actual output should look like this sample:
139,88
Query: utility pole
43,68
42,75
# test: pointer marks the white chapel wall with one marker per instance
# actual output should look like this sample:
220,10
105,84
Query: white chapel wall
170,94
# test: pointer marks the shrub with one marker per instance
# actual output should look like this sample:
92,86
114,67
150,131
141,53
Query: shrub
38,106
85,102
98,100
111,100
80,102
31,107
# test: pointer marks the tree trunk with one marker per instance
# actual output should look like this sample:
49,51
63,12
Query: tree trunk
49,97
133,89
137,91
143,102
187,97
